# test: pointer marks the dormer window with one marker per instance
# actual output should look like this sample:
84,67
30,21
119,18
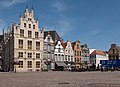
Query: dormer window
77,46
29,19
48,39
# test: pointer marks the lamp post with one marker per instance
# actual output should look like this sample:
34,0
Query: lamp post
0,62
48,64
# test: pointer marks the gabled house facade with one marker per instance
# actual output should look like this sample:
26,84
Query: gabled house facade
68,54
114,52
85,54
77,53
48,57
23,45
59,56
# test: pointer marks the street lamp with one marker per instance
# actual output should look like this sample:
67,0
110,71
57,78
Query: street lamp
48,64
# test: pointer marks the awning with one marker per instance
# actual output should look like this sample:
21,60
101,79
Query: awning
69,63
60,63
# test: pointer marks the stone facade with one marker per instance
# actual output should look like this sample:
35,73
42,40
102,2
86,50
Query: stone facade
114,52
85,54
77,53
48,58
23,44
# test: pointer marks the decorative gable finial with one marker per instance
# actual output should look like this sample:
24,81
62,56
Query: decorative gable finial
32,7
26,4
20,15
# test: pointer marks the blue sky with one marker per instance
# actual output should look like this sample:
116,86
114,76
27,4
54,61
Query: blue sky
95,22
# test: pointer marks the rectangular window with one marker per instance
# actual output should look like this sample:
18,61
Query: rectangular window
71,59
77,53
37,45
21,54
29,33
77,59
33,26
21,33
0,47
77,46
20,43
29,55
65,57
80,53
68,58
29,44
59,50
37,55
36,34
20,64
29,25
24,24
48,48
37,64
29,64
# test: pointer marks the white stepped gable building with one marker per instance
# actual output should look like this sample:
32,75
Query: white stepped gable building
59,52
68,50
27,48
68,55
48,59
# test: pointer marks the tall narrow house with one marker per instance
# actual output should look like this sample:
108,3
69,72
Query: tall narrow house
69,55
23,47
48,58
77,53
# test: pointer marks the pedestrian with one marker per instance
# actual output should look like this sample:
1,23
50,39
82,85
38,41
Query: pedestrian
112,69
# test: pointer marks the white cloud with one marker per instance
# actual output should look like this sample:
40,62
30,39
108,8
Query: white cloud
8,3
94,32
63,26
59,6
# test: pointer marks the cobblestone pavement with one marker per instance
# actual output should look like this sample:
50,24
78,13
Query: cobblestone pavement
60,79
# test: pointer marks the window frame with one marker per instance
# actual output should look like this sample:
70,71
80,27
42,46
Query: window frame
29,64
37,64
20,64
29,44
29,33
21,33
21,54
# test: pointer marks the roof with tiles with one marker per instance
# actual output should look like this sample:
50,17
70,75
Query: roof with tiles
98,52
73,43
64,45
